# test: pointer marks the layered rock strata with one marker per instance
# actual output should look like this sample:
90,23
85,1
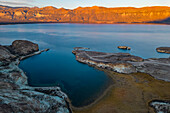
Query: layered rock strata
95,14
15,95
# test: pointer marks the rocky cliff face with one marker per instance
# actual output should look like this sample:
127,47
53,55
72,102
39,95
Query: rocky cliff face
93,14
15,94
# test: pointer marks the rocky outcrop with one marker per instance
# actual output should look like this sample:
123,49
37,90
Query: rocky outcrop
113,61
163,50
23,47
15,95
93,14
124,47
126,63
160,106
5,54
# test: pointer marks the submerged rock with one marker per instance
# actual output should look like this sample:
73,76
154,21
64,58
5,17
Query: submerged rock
163,50
80,48
15,94
124,47
159,68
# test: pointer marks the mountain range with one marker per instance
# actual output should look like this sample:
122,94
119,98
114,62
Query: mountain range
95,14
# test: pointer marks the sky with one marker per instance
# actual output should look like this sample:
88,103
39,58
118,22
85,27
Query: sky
71,4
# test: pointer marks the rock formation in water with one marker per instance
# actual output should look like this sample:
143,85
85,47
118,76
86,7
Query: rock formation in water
159,68
124,47
95,14
163,50
15,94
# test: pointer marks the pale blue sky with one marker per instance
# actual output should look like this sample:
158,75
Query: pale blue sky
83,3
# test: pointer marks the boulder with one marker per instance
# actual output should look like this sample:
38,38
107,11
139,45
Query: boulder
124,47
23,47
160,106
163,50
5,54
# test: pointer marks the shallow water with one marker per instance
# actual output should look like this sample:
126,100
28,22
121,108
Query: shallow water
58,66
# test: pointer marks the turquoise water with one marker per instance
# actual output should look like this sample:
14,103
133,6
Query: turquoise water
58,66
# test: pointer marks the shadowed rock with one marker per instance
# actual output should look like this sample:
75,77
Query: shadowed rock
5,54
24,47
163,50
159,68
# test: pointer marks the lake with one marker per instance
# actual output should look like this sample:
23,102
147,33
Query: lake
58,66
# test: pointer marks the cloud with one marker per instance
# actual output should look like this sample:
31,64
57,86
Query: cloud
25,3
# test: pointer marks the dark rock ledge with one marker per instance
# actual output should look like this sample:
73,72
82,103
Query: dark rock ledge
159,68
15,94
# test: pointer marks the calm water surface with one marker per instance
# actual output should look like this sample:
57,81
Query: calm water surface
58,66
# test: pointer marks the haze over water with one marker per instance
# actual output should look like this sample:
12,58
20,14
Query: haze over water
58,66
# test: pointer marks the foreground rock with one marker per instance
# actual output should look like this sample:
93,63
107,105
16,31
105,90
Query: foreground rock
125,63
15,95
163,50
160,106
5,54
124,47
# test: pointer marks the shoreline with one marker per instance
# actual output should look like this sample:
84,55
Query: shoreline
101,95
109,88
145,99
95,101
133,81
16,94
144,23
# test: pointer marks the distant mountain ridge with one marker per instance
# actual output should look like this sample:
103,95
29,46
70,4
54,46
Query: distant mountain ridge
95,14
7,7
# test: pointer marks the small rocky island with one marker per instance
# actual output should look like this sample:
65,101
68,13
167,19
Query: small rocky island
163,50
15,95
124,47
